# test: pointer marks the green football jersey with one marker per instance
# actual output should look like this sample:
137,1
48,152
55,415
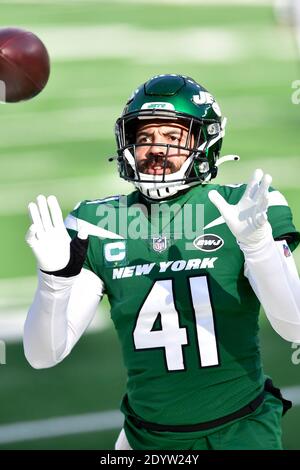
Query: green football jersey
185,314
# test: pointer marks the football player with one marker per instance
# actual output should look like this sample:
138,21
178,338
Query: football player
187,318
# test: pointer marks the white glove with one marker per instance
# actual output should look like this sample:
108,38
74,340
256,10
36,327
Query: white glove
247,219
47,236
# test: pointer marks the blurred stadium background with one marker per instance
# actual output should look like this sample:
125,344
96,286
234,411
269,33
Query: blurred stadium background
59,142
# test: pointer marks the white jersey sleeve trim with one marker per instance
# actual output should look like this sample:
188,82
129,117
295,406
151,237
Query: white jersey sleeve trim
277,199
76,224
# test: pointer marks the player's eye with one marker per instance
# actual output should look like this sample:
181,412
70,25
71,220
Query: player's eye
143,139
174,138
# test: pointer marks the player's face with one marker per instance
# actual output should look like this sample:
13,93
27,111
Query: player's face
154,159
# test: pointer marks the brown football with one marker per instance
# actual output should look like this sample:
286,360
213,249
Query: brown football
24,65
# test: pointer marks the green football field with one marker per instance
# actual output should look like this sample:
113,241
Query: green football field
59,142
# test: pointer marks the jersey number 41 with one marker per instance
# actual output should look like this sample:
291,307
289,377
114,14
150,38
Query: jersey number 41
171,337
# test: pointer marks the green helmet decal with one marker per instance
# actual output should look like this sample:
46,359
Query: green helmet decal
172,98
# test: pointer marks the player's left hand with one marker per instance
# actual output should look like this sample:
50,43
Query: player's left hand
248,220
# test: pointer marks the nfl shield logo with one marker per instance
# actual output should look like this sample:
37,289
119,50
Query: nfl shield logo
159,244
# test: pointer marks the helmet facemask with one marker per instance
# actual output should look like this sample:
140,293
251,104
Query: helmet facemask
201,148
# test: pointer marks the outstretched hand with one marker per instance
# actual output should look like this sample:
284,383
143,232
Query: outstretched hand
47,236
247,219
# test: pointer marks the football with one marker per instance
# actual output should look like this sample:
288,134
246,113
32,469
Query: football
24,65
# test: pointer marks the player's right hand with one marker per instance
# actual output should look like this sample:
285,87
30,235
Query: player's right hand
50,241
55,251
47,236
